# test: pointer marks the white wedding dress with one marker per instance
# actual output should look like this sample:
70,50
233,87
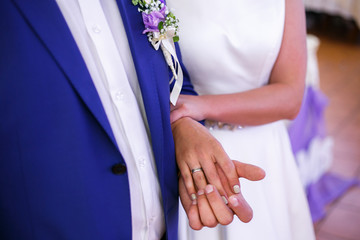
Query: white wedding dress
230,46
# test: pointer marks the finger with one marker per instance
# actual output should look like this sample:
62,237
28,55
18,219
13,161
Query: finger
228,167
222,212
207,216
237,203
190,207
199,178
212,176
194,218
176,114
248,171
188,180
240,207
177,111
172,108
224,182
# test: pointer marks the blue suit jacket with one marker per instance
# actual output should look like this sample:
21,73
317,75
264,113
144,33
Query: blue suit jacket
56,144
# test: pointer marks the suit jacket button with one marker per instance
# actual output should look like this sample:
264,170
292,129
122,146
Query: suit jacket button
118,169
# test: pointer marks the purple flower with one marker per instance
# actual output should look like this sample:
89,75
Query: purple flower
152,20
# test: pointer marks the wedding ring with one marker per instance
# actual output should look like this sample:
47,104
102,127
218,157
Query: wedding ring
196,170
225,200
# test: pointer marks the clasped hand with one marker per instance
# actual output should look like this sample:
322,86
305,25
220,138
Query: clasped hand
212,195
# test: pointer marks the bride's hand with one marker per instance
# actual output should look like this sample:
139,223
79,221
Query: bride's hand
209,209
236,202
189,106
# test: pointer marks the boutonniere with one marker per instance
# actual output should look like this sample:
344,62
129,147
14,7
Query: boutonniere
161,28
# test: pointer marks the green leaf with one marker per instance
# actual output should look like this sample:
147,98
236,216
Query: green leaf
176,38
171,15
135,2
161,25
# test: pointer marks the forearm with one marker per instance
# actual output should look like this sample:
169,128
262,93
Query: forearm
282,97
259,106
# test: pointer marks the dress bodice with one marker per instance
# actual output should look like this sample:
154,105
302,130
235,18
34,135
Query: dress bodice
231,46
232,49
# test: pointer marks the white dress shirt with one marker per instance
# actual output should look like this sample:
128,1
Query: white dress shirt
99,33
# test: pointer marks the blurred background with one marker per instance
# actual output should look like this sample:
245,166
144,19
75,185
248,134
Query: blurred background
326,135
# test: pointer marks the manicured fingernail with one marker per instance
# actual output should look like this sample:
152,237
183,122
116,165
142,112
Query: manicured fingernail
200,192
209,189
193,196
234,201
236,188
194,202
225,200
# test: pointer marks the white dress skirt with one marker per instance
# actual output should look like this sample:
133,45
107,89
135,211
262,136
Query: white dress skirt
231,46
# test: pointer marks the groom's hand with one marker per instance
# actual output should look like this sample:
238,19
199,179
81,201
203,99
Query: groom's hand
208,210
197,154
203,203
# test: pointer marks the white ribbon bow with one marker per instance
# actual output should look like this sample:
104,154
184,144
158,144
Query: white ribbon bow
165,41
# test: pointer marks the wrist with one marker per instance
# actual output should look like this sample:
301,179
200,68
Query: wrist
208,107
204,107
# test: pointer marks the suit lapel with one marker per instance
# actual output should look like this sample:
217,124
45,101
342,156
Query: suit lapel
46,19
152,73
